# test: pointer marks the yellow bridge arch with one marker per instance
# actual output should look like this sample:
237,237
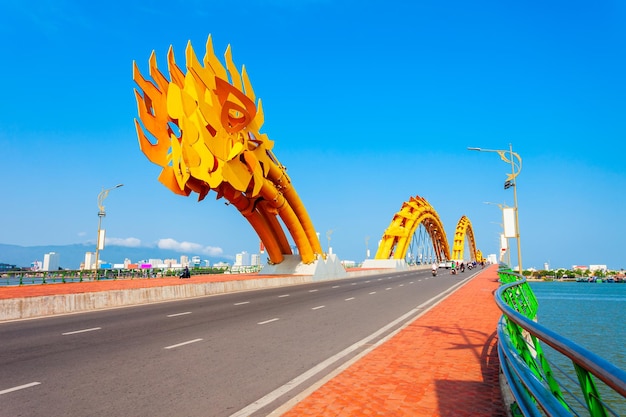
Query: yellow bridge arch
464,231
415,212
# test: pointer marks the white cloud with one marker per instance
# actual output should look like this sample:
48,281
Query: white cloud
174,245
130,242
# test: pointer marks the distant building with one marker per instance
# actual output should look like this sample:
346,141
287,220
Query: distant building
184,260
242,259
195,261
348,264
36,266
155,262
255,259
602,268
51,261
90,259
221,265
6,267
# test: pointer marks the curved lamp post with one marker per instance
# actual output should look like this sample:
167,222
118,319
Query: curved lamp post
101,213
515,160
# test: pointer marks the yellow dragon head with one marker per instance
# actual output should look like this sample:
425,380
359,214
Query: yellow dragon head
202,128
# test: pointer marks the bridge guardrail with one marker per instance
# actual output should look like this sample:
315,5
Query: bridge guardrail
536,390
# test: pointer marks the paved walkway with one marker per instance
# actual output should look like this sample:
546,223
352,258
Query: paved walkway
443,364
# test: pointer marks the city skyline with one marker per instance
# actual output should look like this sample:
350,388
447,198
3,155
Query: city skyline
378,107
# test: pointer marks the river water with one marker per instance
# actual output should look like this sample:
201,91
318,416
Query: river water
590,314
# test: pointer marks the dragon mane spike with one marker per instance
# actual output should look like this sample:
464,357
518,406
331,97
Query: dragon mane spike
176,74
211,61
201,74
232,69
247,86
156,74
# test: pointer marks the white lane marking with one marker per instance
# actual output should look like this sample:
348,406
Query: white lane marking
401,285
354,283
6,391
373,292
411,282
379,279
182,344
312,290
268,321
367,282
280,391
387,289
284,295
336,286
242,303
318,307
82,331
179,314
349,299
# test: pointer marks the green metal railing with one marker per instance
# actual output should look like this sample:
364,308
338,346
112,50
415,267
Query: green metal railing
528,373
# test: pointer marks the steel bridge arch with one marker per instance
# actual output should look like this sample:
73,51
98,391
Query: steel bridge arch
464,231
415,212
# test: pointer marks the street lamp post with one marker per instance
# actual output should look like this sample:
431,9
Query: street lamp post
101,213
515,160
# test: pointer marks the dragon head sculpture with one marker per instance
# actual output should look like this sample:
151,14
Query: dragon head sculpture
203,128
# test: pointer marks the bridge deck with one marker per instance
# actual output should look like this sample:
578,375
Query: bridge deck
444,363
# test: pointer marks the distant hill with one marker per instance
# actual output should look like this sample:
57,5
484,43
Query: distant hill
71,256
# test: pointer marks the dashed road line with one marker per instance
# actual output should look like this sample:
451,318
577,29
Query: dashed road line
284,295
179,314
82,331
317,308
182,344
268,321
242,303
349,299
6,391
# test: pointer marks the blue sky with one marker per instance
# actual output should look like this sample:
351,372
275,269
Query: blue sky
369,103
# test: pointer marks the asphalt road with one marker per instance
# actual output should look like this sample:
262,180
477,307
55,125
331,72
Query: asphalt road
242,354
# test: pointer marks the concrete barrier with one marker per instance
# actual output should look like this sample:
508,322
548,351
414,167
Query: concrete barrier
31,307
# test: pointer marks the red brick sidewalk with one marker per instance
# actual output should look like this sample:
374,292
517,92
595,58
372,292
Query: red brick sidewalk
444,364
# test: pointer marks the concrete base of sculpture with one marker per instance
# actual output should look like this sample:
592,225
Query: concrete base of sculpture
395,264
320,269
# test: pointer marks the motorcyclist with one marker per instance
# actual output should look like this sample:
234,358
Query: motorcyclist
434,268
